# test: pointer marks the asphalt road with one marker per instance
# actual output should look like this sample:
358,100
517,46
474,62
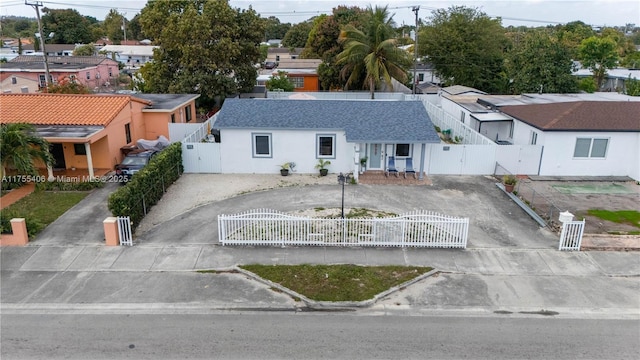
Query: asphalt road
313,336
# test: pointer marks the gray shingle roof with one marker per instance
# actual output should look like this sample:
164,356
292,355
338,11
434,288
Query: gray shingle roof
362,121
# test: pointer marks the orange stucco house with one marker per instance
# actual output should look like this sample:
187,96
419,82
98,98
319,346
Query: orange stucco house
89,131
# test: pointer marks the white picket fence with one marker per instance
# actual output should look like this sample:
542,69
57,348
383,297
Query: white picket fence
571,236
271,227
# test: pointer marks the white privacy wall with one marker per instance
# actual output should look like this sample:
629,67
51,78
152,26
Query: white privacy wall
622,157
296,146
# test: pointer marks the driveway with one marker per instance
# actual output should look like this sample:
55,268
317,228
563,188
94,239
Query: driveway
495,220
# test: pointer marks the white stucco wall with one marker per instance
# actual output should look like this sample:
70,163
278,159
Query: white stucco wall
296,146
622,156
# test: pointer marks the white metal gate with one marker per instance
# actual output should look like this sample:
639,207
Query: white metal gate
571,236
201,158
124,230
451,159
270,227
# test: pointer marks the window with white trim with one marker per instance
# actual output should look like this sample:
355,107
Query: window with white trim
298,82
261,144
14,80
591,148
88,75
326,146
403,150
462,116
534,138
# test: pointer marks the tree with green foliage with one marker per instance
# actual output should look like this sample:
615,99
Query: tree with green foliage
538,60
20,147
323,43
297,35
134,29
632,86
274,29
374,53
598,54
84,50
466,47
631,61
68,26
587,85
280,82
205,47
112,26
572,34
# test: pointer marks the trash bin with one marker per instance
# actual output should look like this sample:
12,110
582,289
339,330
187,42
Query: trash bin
446,133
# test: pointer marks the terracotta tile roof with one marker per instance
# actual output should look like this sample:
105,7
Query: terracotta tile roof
579,115
62,109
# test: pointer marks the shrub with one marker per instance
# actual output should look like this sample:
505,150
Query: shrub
69,185
148,185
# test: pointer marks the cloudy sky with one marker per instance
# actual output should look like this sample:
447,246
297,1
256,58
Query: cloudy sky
515,12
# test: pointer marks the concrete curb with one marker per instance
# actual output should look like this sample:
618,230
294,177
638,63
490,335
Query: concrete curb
336,305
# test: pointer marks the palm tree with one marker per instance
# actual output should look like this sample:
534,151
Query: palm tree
19,147
374,53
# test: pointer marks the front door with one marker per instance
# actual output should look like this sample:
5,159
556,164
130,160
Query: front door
58,155
375,157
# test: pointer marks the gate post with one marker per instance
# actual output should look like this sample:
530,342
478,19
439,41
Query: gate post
111,236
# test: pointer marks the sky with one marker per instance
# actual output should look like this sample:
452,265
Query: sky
515,12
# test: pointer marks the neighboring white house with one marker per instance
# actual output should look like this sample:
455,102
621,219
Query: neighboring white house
583,138
132,56
259,135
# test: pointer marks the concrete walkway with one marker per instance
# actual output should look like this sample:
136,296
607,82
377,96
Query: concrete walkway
16,194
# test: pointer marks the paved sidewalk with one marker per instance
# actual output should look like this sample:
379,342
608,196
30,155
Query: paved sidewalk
164,277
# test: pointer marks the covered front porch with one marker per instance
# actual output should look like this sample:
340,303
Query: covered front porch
378,177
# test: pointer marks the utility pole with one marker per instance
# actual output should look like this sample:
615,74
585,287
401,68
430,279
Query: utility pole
124,27
415,9
36,5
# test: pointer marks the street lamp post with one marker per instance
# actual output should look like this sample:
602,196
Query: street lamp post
342,179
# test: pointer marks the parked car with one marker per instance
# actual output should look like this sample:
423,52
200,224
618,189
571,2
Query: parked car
133,162
270,65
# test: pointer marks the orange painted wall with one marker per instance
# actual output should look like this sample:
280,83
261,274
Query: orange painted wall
311,82
156,123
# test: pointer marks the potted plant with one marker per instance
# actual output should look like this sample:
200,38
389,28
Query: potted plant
363,164
509,182
284,169
322,166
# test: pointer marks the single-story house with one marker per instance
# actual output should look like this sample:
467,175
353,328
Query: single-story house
582,138
282,54
615,79
52,49
132,56
91,71
90,131
259,135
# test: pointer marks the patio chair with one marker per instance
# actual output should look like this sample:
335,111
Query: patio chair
409,168
391,167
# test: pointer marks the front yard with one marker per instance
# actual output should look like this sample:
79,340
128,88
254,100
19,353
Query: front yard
40,209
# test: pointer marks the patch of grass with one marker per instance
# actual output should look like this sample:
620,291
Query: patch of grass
40,209
337,282
367,213
631,217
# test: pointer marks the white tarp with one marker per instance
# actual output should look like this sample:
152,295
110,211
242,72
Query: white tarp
159,144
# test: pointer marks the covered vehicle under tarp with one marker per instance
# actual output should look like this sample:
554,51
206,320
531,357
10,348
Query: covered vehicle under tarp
157,145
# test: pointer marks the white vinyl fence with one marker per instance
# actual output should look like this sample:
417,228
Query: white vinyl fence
416,229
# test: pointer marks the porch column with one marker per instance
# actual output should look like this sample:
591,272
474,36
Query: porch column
87,149
50,176
422,152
